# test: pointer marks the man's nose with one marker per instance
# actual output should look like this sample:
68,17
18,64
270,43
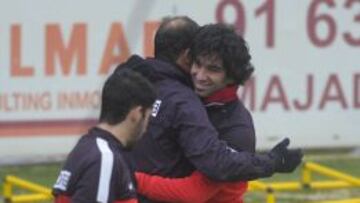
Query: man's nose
201,74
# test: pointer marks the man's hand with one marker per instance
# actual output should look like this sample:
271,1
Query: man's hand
286,160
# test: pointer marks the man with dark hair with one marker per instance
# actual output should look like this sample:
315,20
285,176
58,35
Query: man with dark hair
173,39
95,170
180,137
221,61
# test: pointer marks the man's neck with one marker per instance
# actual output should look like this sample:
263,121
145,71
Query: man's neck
119,131
224,95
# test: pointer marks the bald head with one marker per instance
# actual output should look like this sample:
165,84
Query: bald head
174,36
175,22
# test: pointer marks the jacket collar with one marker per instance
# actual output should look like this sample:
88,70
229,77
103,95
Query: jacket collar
106,135
168,69
223,96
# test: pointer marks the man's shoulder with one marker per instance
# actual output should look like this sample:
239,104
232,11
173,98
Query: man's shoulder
86,143
176,87
176,95
92,147
238,115
177,103
240,108
85,150
230,114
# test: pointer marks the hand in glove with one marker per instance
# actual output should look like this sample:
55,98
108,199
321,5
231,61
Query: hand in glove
287,160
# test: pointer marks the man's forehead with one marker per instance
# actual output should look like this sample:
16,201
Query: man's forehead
210,59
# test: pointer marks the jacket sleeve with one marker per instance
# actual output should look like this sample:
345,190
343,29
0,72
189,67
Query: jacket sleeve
194,188
239,132
240,138
201,145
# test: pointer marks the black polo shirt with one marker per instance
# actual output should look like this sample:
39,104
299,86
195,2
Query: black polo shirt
95,171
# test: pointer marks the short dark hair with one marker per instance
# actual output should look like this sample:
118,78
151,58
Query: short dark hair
122,91
174,36
220,40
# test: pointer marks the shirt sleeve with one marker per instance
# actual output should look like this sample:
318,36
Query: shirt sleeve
104,181
78,180
86,185
194,188
93,172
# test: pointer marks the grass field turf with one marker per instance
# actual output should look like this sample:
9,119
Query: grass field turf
46,174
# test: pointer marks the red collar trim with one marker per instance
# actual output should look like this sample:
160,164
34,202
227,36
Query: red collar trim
225,95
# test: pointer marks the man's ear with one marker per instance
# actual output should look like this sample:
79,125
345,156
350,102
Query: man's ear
187,56
184,60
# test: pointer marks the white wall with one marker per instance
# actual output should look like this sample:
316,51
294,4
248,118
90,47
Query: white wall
292,66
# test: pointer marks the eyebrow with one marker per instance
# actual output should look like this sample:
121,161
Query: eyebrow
215,66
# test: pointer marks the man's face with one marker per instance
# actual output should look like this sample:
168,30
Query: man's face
208,75
140,126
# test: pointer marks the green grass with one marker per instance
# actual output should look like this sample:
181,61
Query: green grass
46,175
348,165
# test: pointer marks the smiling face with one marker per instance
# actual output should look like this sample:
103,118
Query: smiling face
208,75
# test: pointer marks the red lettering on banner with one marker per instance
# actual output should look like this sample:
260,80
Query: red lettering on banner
333,81
248,93
25,101
348,37
240,21
116,39
268,7
150,29
314,19
275,85
76,49
4,103
38,101
16,68
78,100
17,102
357,90
309,95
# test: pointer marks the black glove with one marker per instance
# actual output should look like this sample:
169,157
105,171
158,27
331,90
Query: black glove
286,160
291,161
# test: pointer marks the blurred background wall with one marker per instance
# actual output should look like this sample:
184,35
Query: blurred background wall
55,55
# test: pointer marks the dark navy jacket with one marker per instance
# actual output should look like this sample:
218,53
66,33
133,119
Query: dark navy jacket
181,138
234,124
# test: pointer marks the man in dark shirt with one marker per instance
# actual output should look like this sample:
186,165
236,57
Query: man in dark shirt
180,137
95,170
221,62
